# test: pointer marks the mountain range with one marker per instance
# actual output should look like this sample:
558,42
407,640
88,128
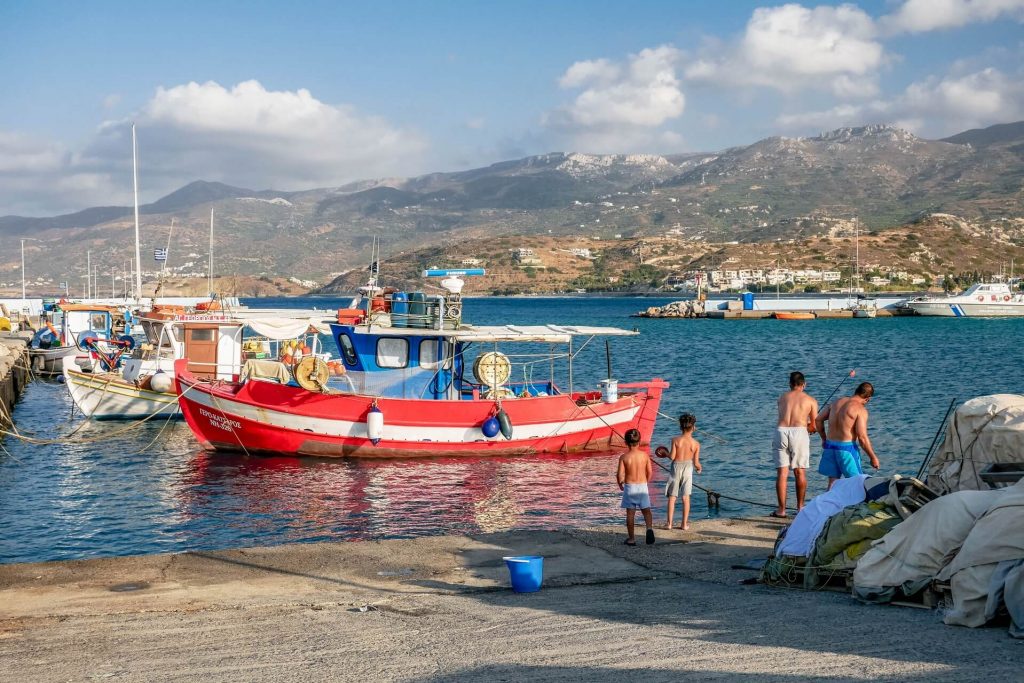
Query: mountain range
776,188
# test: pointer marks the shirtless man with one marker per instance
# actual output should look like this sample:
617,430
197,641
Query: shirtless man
792,443
847,428
632,477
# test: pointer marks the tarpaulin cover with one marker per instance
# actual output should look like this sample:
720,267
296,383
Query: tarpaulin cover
982,431
997,536
908,557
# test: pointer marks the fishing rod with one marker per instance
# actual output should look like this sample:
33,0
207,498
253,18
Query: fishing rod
853,373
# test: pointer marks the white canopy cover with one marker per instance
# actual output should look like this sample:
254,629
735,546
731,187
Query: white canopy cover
285,328
984,430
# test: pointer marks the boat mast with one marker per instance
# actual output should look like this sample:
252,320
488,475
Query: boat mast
210,274
88,274
135,187
856,243
167,251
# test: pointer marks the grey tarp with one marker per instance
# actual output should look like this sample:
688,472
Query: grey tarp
996,537
908,557
982,431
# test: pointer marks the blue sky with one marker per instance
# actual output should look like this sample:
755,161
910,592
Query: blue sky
309,94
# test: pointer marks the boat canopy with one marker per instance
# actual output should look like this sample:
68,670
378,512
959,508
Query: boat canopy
557,334
284,328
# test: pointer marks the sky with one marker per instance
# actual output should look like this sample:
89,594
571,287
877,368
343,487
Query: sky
291,96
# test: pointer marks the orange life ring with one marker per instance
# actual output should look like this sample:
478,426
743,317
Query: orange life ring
981,297
994,297
1006,297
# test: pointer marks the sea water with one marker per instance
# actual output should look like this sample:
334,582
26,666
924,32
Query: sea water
120,489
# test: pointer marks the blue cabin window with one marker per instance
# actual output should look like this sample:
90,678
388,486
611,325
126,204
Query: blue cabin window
348,351
392,352
428,354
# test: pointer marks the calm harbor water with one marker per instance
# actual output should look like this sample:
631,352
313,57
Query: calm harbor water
146,489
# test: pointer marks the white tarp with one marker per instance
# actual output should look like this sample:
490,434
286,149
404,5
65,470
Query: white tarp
805,529
285,328
909,556
984,430
996,537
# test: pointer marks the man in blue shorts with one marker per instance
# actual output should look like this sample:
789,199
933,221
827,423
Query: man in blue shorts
847,429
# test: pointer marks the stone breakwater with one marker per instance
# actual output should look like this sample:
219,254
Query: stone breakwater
676,309
14,371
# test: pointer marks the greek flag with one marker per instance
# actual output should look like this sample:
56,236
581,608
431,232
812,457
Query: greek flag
159,254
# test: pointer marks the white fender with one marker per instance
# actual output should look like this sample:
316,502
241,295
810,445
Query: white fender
375,425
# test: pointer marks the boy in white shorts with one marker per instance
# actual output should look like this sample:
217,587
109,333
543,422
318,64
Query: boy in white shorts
792,443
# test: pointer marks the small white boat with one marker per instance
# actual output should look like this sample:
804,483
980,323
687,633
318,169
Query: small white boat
59,339
865,308
982,300
212,341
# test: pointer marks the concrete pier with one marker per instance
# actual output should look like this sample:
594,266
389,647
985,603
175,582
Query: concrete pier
439,609
14,371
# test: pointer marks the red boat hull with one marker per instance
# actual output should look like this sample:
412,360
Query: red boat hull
265,417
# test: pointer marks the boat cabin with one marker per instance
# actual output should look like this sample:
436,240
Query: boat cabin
73,319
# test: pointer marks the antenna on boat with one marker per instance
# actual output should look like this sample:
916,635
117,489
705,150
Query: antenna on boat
135,188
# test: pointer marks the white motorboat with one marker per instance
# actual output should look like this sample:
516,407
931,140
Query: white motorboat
982,300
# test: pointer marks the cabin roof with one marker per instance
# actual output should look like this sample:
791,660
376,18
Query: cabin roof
500,333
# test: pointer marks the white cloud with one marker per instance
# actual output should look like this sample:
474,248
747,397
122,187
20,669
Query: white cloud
245,135
792,47
934,107
916,16
621,106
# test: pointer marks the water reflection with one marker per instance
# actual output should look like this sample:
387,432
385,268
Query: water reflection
151,489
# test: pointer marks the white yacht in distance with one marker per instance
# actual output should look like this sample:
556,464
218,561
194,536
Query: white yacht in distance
980,300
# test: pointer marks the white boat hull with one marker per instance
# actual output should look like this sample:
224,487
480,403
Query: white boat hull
966,309
50,361
108,396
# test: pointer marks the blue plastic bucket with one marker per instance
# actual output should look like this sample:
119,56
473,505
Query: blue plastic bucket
526,571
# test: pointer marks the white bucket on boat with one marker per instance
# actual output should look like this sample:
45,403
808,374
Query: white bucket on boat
609,390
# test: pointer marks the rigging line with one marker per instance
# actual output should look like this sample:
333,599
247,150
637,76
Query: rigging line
710,492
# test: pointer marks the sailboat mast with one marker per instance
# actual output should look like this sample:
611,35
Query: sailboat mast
135,187
210,275
856,242
167,251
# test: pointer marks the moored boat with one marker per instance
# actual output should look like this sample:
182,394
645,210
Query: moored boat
406,390
980,300
793,315
59,337
214,342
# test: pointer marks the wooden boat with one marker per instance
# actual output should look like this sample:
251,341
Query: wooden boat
143,385
793,315
405,390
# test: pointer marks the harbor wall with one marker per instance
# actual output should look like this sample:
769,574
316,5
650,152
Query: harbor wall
14,371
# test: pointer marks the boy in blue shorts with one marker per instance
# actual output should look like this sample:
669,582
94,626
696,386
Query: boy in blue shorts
847,428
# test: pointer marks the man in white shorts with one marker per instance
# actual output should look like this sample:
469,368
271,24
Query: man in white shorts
792,443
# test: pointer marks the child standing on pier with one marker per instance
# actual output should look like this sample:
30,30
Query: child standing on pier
633,474
685,457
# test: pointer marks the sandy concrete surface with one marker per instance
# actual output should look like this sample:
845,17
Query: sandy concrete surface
439,609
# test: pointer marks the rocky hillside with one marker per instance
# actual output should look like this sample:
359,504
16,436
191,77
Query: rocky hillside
934,245
777,188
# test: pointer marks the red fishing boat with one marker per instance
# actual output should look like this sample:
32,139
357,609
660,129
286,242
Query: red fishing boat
402,387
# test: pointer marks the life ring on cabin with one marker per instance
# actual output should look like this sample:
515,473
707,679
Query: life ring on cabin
492,368
1006,297
981,297
994,297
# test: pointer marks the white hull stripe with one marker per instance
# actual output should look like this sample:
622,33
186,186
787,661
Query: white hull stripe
415,433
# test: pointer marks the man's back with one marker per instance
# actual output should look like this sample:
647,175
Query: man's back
842,418
796,409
